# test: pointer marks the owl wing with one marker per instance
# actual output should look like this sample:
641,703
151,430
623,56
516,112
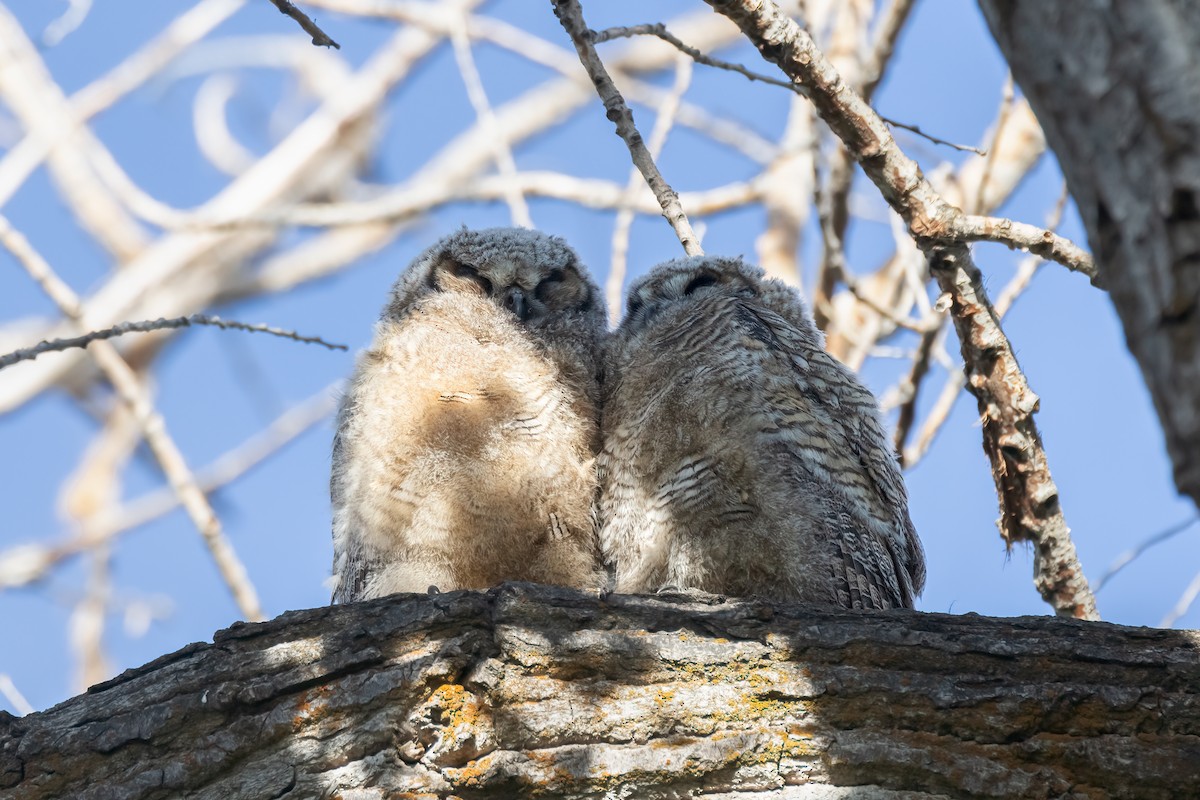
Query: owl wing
828,424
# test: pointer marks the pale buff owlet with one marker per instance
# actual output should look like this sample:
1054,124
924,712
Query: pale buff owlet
741,458
465,446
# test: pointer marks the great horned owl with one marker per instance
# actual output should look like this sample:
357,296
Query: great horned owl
739,457
465,446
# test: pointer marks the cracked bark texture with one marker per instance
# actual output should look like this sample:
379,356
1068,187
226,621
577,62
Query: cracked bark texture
1113,83
529,691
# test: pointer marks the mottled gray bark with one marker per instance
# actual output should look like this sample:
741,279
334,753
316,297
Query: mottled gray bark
538,691
1114,84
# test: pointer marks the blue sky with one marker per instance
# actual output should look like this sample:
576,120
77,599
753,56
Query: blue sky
216,388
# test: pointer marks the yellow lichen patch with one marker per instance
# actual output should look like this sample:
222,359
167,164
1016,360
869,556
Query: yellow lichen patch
664,695
792,742
459,706
311,707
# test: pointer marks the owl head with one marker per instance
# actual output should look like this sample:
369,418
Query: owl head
536,278
685,285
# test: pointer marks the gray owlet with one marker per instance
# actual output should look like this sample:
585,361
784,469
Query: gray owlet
739,457
465,446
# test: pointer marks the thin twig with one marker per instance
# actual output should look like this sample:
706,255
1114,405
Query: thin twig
319,37
966,148
54,345
910,387
1127,558
659,30
154,430
570,14
615,282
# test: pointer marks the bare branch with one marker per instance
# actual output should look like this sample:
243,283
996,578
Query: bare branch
1029,502
659,30
65,25
910,386
966,148
1183,604
930,218
487,118
319,37
54,345
1030,509
570,14
615,282
1128,557
1023,236
25,564
887,33
14,696
154,429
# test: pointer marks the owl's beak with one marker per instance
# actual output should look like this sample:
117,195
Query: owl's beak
514,301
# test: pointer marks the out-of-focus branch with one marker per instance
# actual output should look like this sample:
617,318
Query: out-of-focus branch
30,353
1129,556
316,156
14,696
834,197
27,563
93,489
319,37
1029,502
487,118
909,390
154,430
1183,604
570,14
615,282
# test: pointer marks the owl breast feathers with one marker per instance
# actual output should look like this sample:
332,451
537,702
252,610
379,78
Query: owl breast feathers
739,457
465,444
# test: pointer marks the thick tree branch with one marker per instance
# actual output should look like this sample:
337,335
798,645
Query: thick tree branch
1029,502
544,691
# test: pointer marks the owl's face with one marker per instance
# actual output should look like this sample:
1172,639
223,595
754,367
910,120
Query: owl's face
687,281
534,277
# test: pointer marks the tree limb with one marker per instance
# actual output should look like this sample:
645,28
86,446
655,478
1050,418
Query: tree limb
1029,502
570,14
528,690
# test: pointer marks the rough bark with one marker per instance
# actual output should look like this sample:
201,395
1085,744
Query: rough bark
1113,83
538,691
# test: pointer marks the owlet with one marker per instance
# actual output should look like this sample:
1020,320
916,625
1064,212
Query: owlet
741,458
465,446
